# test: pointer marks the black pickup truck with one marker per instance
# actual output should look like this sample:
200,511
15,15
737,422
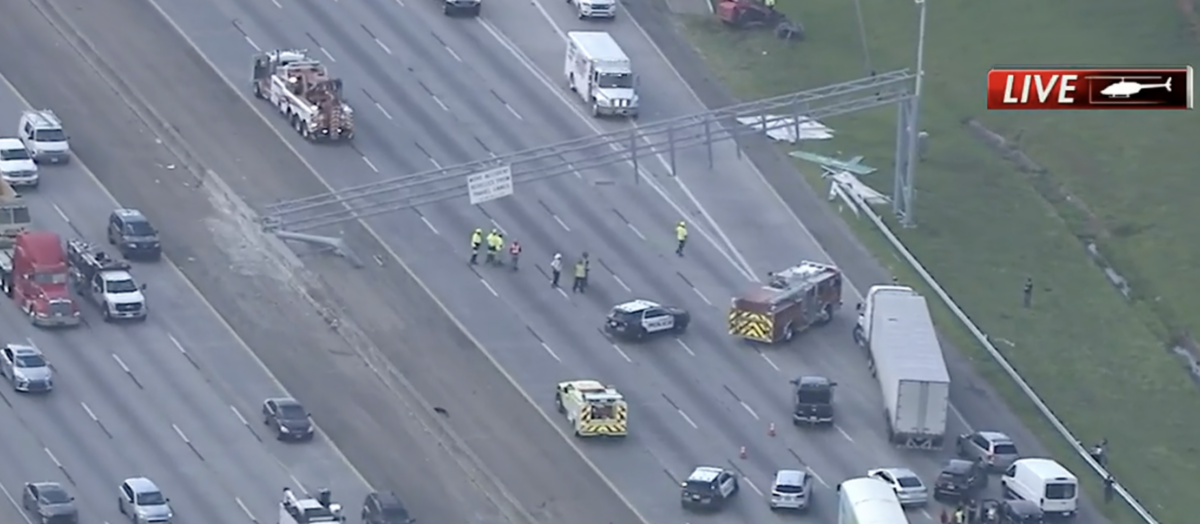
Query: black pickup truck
813,400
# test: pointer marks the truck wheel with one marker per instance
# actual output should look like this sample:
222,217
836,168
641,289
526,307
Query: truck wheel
4,282
595,109
106,314
571,82
558,403
788,332
826,315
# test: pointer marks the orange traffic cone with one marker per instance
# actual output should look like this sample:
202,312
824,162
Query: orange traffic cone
742,452
771,429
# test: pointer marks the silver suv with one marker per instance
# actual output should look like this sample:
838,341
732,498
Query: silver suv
990,447
143,502
26,369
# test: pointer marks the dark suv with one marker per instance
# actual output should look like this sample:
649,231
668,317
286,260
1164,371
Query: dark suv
960,480
131,232
813,397
385,508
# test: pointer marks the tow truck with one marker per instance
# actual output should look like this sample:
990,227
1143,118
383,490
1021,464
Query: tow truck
309,510
791,301
32,270
301,88
593,409
105,282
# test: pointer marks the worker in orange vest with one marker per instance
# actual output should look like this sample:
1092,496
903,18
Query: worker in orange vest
514,252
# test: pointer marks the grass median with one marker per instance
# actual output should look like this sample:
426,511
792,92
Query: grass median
1122,181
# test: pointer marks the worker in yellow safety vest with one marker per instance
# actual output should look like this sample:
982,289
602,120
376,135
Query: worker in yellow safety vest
476,241
581,274
680,237
494,243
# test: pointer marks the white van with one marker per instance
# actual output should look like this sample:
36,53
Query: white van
869,501
1043,482
42,133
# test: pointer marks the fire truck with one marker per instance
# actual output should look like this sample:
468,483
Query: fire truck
308,510
105,282
33,269
302,90
593,409
791,301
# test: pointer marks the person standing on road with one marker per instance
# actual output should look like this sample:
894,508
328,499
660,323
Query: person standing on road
581,274
491,247
681,235
476,241
514,252
1028,292
555,269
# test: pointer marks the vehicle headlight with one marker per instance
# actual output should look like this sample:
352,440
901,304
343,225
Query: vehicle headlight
284,429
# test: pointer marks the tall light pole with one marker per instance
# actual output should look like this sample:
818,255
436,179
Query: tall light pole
910,130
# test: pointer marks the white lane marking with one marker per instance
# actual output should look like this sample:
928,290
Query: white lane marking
384,111
296,481
327,55
750,410
499,227
752,486
722,244
400,2
622,353
386,49
453,54
563,293
90,413
926,514
561,223
769,361
440,104
435,163
181,435
20,509
636,232
53,458
843,432
178,345
515,113
277,4
245,509
122,364
238,414
685,347
370,164
550,351
818,477
489,287
252,44
702,297
430,225
61,213
687,418
622,284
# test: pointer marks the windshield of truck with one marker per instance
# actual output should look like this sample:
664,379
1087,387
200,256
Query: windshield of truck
121,286
615,80
30,361
814,396
14,154
50,278
14,215
49,135
1060,491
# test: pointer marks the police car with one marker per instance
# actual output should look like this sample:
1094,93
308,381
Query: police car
708,488
638,318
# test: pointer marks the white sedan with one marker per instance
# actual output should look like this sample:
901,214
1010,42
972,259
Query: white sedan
909,488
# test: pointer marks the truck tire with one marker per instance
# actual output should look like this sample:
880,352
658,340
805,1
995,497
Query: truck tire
788,332
107,315
6,285
571,82
826,315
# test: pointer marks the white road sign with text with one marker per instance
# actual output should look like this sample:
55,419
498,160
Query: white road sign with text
489,185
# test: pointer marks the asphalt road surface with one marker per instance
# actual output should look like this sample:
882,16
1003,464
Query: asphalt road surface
176,398
440,92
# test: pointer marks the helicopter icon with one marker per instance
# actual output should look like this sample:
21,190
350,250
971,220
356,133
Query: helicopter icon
1125,88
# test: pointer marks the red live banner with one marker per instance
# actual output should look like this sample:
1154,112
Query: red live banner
1090,88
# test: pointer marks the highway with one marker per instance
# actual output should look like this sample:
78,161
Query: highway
473,87
176,398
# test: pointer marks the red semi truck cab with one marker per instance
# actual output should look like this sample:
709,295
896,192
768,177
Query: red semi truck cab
33,272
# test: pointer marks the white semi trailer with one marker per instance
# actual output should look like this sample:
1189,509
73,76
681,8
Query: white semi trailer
905,356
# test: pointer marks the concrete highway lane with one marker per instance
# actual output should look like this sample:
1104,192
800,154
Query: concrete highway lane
338,340
704,398
174,398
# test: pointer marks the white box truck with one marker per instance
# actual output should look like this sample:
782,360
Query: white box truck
868,501
905,356
600,72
